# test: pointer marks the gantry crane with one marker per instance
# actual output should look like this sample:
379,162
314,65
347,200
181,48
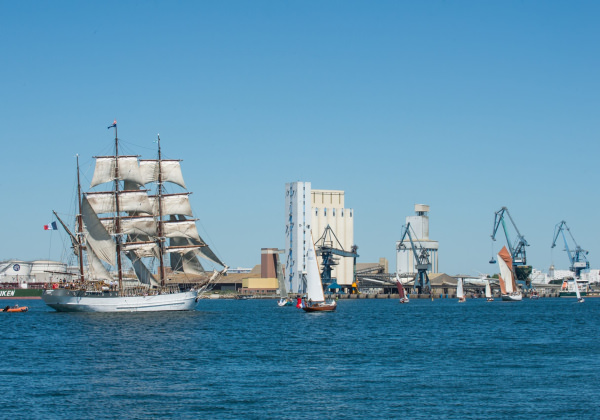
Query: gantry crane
421,284
577,256
328,247
516,248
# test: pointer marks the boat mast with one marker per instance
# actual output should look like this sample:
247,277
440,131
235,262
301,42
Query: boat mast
117,218
79,227
161,243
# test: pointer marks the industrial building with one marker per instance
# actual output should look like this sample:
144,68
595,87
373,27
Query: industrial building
313,210
419,224
17,273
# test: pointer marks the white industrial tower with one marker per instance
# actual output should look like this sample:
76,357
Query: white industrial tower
297,233
405,260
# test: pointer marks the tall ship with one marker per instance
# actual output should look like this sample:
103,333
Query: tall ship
127,234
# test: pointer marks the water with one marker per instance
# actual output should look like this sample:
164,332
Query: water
252,359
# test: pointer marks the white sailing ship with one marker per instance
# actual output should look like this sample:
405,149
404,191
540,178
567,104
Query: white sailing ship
508,285
124,237
460,293
488,291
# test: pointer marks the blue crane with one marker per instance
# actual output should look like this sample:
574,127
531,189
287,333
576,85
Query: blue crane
516,248
577,256
326,250
421,257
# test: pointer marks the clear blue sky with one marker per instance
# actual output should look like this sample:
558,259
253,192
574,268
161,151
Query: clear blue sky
467,106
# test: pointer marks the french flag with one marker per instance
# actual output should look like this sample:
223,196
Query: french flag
51,226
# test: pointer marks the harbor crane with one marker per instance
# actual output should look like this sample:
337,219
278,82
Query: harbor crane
329,248
577,256
516,248
421,256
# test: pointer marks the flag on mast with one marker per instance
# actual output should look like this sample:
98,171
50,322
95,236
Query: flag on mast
114,124
51,226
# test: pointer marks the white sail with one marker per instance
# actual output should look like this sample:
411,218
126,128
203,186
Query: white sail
181,229
170,171
488,289
96,269
314,286
459,289
106,170
141,271
129,201
172,204
96,235
186,262
132,226
577,293
141,249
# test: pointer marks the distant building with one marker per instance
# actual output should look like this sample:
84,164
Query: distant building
40,271
405,260
312,210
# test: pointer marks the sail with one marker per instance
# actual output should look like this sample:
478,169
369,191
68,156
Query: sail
106,170
129,201
141,271
132,225
488,289
172,204
186,262
170,171
314,287
577,293
96,235
401,291
96,269
142,249
281,278
506,279
459,289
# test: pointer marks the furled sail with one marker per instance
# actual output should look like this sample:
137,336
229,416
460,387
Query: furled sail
106,166
141,271
172,204
129,201
506,279
96,235
170,171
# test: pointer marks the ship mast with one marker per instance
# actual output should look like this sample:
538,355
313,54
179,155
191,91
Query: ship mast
161,240
117,214
79,227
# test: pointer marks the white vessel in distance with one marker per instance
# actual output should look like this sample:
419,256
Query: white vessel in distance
143,229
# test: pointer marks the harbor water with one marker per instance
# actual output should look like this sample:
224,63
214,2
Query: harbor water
372,358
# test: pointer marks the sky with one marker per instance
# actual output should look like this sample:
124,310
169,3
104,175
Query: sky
466,106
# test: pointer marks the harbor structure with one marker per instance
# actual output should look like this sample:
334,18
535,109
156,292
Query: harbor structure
313,210
406,263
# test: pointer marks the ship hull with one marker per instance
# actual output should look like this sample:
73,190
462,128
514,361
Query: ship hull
512,297
77,301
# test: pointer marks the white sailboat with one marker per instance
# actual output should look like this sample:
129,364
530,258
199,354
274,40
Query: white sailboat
314,287
126,223
284,299
577,292
403,297
488,292
460,294
508,286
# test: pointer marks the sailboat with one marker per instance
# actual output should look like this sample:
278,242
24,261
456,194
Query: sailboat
460,294
403,297
284,299
314,287
577,292
508,285
488,292
126,223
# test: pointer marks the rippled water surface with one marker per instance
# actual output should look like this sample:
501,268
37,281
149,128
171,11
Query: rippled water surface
252,359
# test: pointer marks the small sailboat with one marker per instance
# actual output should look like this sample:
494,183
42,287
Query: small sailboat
284,299
314,287
508,286
403,297
488,292
460,293
577,292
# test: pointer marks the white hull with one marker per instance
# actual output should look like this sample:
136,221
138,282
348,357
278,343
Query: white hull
516,297
76,301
